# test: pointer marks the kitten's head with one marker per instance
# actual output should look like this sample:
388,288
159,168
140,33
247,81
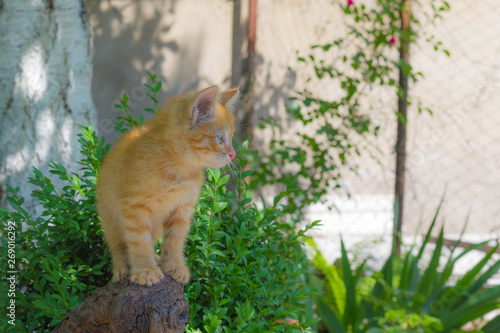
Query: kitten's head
211,126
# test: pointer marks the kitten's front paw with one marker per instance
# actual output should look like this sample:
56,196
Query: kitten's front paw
120,272
146,276
179,272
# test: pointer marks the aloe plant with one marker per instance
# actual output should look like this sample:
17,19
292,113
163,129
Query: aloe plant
357,301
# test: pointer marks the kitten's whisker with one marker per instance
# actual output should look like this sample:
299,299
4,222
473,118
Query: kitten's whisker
225,169
236,163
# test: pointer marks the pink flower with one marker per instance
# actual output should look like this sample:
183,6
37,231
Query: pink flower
350,3
392,40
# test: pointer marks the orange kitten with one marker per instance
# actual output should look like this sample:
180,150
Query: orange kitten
149,183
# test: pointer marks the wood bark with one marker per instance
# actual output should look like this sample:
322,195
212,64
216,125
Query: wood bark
236,45
248,90
45,88
404,56
127,307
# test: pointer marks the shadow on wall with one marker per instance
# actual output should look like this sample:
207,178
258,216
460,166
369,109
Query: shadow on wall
169,38
274,85
276,94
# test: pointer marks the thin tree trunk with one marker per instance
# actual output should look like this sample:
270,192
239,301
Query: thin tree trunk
45,82
248,122
126,307
404,56
236,45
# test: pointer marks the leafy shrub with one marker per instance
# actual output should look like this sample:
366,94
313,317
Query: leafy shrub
399,321
407,294
247,264
60,256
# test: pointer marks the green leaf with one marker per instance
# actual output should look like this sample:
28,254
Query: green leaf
490,272
466,313
428,279
350,286
157,86
401,118
493,326
331,321
336,287
455,293
219,206
222,181
246,173
429,232
244,146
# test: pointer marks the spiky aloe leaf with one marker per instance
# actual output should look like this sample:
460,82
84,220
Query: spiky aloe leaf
493,326
329,318
350,286
427,281
455,294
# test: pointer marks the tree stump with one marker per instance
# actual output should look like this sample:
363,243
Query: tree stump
127,307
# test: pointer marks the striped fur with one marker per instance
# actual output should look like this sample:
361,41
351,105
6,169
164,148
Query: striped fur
150,181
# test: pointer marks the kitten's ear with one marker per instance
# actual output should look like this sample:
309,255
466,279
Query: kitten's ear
203,108
229,98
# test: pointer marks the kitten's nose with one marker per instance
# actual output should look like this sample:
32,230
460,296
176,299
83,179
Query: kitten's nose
232,155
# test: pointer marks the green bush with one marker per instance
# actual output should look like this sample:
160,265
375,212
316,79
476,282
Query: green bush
60,257
408,294
247,263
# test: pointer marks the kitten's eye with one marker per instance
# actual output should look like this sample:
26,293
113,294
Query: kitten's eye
219,139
